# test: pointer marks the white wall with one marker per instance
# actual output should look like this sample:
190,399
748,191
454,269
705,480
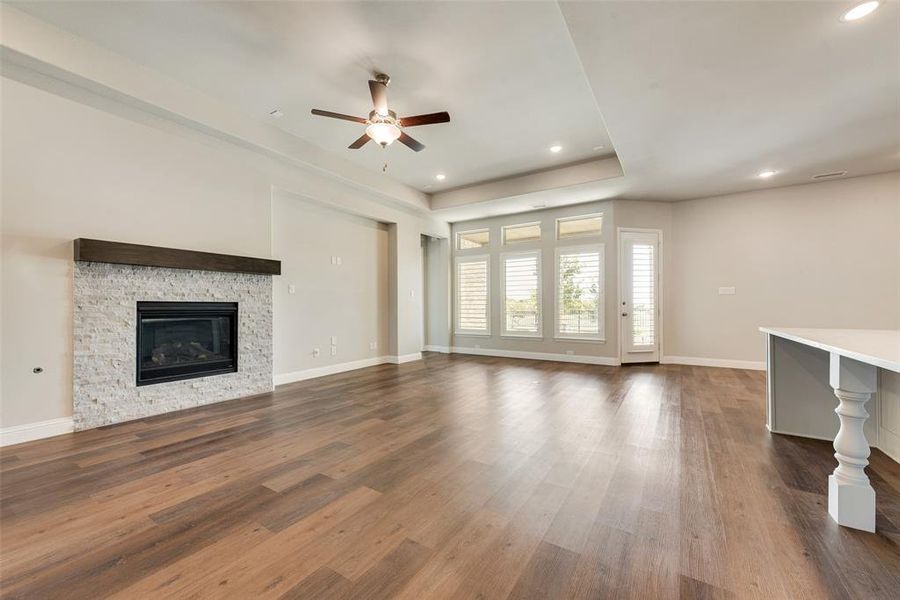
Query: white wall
819,255
348,301
547,345
76,164
825,254
72,171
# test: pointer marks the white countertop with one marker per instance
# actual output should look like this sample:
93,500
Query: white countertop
879,347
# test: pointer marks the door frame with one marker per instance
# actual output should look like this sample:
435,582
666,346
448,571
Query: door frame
620,283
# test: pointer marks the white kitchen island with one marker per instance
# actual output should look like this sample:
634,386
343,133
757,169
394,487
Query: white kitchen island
806,370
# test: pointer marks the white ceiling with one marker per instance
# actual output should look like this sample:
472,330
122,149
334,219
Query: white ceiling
506,72
697,97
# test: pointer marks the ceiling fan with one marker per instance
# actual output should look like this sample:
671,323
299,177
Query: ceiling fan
383,125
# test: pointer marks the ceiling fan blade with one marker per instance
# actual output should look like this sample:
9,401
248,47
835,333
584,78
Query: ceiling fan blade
379,97
415,145
429,119
334,115
360,142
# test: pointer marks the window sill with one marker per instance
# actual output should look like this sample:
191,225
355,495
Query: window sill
512,336
470,334
563,338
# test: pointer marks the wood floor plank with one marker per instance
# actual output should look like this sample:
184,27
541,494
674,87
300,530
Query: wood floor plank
451,477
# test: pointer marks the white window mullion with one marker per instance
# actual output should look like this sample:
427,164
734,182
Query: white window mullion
521,287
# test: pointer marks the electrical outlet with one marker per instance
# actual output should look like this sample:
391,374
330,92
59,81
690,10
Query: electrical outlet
292,289
316,352
570,352
373,345
726,291
334,350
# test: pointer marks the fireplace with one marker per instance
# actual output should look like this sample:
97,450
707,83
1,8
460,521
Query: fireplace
184,340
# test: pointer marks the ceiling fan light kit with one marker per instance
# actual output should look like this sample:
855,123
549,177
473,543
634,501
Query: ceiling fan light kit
383,126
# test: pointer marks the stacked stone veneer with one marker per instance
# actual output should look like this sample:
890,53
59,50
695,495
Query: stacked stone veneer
106,297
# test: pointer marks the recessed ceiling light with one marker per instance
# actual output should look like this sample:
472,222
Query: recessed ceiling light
538,206
860,10
555,149
440,177
276,113
596,148
766,174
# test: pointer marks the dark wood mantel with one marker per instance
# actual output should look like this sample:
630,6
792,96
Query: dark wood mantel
154,256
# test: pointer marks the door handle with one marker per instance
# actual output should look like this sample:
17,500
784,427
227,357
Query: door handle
624,314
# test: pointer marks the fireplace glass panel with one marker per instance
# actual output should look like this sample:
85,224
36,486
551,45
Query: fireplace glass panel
179,340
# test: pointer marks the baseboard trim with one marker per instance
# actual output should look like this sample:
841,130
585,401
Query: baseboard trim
441,349
571,358
29,432
405,358
294,376
726,363
802,435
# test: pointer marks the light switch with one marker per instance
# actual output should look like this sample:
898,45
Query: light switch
340,260
333,340
316,352
334,350
726,291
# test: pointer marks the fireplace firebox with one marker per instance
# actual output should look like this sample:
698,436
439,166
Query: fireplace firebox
184,340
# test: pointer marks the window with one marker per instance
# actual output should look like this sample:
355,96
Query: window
473,295
579,292
466,240
521,294
584,225
643,291
524,232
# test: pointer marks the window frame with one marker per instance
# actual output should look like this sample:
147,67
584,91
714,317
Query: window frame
457,330
600,336
539,333
579,235
503,229
480,248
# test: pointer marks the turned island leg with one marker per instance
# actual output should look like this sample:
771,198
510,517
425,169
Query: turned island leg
851,499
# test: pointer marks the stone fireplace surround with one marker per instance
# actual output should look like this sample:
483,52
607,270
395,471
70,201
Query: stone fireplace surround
105,321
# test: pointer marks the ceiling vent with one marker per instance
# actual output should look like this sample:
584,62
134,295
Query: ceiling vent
831,175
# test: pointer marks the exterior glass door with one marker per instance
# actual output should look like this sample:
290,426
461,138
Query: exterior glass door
639,302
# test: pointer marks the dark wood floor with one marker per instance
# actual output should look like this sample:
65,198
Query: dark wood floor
453,477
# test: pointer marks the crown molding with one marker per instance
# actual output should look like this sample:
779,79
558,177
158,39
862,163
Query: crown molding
39,54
